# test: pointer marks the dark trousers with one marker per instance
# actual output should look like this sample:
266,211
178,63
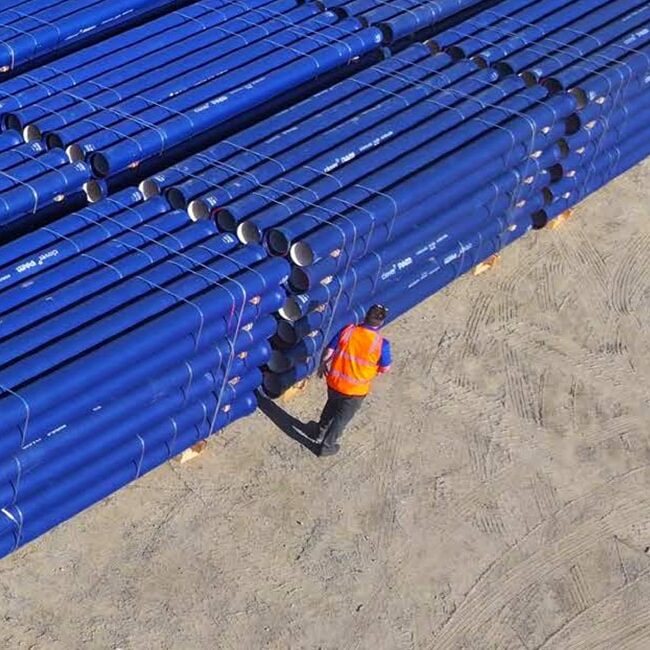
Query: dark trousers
338,412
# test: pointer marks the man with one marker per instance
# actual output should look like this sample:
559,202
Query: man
355,356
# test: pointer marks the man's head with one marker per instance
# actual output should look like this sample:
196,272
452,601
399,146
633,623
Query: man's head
376,316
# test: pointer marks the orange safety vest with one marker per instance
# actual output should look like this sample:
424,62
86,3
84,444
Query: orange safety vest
356,361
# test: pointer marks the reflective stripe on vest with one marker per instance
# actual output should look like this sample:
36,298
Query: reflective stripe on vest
356,361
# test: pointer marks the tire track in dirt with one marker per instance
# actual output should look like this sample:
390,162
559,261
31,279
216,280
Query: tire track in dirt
606,372
485,608
386,457
524,397
546,288
591,292
619,633
491,592
602,433
479,316
631,277
505,285
560,635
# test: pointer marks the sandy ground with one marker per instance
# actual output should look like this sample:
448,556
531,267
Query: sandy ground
493,494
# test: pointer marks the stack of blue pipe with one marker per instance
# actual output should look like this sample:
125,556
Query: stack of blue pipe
122,102
400,18
127,334
588,65
595,49
135,327
347,183
183,75
491,140
158,88
33,178
34,29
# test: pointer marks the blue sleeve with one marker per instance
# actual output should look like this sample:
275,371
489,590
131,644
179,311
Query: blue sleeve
386,358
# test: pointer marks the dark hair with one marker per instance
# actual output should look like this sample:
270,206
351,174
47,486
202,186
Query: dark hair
376,316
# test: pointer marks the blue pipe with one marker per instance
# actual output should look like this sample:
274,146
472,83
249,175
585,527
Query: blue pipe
283,123
33,194
490,150
510,33
156,262
231,177
579,40
118,420
324,177
33,250
181,433
482,21
117,445
134,88
133,378
512,182
208,115
399,299
157,296
387,128
217,310
33,32
122,50
538,32
49,267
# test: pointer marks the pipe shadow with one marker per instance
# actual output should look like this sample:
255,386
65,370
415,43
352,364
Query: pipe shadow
290,426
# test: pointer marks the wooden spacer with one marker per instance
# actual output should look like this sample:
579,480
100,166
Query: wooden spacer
560,219
294,391
489,263
193,452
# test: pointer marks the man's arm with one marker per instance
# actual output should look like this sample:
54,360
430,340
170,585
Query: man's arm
386,359
324,361
328,353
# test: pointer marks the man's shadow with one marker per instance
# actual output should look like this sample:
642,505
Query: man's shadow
290,426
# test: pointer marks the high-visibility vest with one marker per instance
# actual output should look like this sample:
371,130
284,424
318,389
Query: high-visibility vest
356,361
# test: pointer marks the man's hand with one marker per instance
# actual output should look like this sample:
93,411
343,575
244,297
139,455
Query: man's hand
323,368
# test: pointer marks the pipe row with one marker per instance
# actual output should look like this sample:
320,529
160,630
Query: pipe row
33,29
135,327
141,335
32,180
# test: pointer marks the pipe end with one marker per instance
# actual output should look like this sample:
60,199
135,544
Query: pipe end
11,122
287,333
176,199
455,52
272,385
581,97
503,69
32,133
100,165
198,211
278,362
299,280
94,191
529,78
301,254
278,243
540,219
75,153
480,62
290,310
247,232
149,189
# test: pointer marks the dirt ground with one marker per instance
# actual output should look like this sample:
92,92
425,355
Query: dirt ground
494,493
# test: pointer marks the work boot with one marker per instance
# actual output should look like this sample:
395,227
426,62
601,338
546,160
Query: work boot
329,451
312,431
